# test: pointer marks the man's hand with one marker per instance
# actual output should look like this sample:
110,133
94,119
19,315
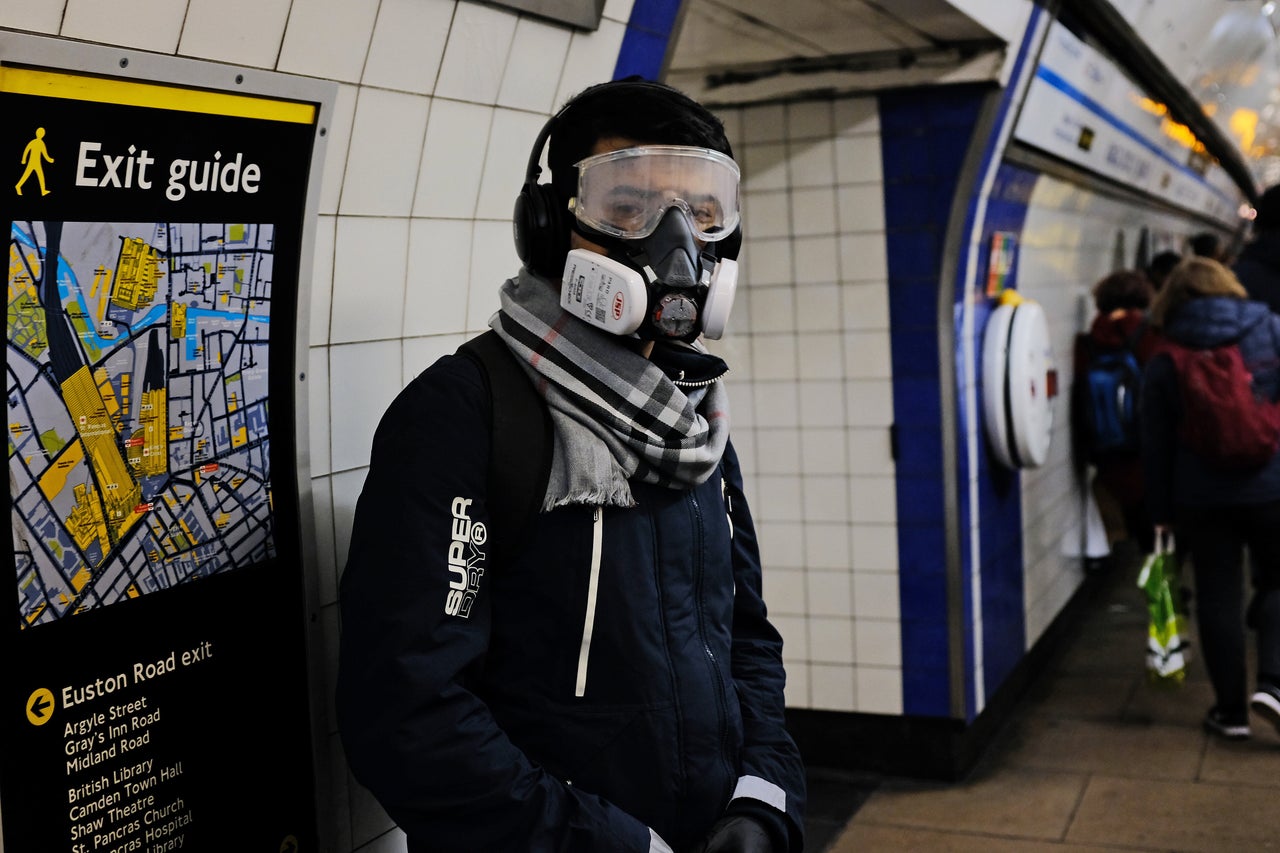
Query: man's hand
736,834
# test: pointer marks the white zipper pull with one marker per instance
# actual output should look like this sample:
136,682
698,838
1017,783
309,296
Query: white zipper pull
593,588
728,503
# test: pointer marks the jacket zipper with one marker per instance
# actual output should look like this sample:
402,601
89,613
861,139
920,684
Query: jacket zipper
714,666
681,382
593,586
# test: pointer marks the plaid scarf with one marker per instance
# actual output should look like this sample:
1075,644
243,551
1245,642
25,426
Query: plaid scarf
615,414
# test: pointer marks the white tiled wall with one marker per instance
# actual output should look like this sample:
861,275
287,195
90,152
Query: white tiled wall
812,397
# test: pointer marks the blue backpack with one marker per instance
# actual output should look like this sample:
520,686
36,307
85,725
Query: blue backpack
1110,391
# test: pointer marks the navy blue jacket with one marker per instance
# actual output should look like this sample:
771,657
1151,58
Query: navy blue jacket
618,675
1175,476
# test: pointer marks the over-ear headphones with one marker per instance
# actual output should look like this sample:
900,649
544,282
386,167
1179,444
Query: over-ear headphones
541,221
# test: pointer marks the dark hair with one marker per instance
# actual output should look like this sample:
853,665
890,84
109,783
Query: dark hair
1193,278
1205,245
633,108
1268,207
1128,289
1160,267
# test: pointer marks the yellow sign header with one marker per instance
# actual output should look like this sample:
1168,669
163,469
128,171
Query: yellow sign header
52,84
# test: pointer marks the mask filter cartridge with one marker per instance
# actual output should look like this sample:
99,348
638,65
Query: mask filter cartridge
610,295
603,292
724,285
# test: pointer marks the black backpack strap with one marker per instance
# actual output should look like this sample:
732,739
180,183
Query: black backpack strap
519,443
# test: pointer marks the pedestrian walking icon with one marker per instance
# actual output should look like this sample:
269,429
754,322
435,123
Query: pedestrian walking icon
40,706
34,157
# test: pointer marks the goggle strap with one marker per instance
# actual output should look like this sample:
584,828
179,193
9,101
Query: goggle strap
600,238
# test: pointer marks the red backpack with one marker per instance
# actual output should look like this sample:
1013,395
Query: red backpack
1222,419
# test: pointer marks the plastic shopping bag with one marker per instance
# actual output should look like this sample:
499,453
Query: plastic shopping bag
1167,650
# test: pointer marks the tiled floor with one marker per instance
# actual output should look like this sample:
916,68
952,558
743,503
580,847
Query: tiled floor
1093,759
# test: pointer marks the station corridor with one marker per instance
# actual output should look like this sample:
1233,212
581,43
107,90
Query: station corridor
1093,759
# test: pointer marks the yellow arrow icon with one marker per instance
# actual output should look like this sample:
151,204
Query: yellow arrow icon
40,707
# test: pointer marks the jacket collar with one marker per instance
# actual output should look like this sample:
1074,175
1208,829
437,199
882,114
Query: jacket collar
688,365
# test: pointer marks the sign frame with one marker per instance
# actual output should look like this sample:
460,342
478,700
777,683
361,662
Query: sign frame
292,564
581,14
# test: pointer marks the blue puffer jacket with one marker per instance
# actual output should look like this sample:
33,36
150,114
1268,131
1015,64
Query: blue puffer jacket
619,675
1175,476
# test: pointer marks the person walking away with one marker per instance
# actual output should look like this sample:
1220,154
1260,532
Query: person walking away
1106,390
1206,244
1258,266
1205,488
1160,267
608,680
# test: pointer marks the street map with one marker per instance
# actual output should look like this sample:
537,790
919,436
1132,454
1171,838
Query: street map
138,408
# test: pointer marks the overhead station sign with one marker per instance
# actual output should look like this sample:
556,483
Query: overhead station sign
1082,108
154,663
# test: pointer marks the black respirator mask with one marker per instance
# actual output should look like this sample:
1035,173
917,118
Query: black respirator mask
650,207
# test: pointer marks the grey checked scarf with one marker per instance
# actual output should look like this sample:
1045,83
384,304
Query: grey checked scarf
614,414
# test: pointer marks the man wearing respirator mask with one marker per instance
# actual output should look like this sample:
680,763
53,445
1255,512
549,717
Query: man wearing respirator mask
605,679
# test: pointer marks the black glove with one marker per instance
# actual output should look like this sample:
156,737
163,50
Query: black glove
737,834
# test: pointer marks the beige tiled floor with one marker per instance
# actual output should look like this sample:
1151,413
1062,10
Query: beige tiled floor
1093,759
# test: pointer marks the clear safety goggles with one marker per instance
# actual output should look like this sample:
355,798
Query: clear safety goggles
625,193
